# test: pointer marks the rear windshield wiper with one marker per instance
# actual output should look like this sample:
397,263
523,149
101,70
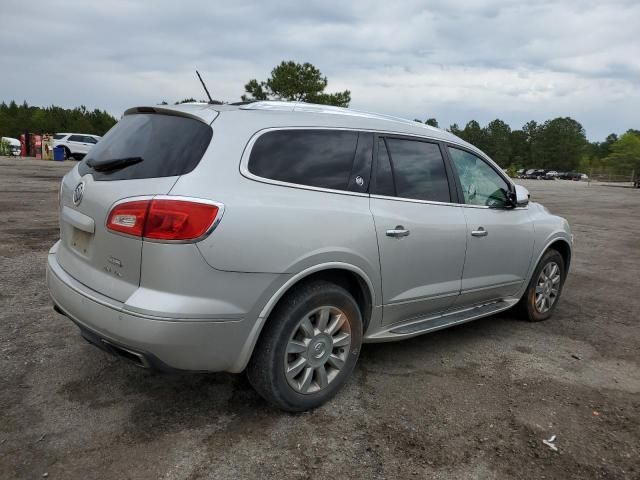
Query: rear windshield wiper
113,164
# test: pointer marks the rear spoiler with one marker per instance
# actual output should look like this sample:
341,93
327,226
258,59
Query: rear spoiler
196,111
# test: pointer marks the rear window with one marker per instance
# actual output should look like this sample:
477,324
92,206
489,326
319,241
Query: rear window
318,158
165,146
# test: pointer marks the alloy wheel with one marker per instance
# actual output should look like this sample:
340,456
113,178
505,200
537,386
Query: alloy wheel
547,287
317,349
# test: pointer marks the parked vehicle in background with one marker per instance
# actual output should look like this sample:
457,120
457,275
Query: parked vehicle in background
11,146
540,174
76,145
288,238
529,174
552,174
575,176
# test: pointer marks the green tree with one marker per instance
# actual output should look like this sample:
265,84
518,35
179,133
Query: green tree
625,153
474,134
17,119
295,82
432,121
519,149
559,144
497,137
455,129
531,130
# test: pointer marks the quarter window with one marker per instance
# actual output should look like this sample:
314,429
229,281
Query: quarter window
318,158
418,170
481,184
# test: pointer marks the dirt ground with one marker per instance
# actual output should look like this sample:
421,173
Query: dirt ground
475,401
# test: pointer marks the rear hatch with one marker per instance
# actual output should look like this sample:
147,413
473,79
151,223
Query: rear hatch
142,155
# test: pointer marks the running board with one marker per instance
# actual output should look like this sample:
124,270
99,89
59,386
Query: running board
438,322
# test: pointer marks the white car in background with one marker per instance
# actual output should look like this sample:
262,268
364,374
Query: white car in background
76,145
13,145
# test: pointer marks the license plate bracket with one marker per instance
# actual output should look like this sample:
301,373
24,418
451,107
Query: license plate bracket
80,241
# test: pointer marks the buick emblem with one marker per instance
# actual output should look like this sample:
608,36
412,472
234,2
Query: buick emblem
77,193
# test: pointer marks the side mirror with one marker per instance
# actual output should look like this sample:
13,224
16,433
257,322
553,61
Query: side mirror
522,196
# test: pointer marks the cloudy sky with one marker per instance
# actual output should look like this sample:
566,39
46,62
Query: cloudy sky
453,60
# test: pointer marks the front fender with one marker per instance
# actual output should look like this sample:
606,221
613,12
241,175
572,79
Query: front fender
548,229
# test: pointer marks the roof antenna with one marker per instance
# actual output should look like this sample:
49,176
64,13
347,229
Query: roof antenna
205,87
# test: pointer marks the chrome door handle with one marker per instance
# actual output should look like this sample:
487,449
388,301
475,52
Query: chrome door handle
398,232
480,232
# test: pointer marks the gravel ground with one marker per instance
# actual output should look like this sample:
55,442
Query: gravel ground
475,401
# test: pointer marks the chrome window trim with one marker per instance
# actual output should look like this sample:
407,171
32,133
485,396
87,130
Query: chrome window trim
415,200
206,201
246,153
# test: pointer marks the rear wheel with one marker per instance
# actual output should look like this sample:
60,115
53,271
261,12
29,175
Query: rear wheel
543,293
309,347
67,153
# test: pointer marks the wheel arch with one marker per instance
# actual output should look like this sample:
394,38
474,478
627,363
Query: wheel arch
563,248
349,277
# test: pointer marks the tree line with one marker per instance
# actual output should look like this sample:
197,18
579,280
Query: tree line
559,144
17,119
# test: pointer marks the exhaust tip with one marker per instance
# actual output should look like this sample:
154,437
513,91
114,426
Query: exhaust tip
134,357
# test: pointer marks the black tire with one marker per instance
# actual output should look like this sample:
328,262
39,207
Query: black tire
266,369
67,153
526,307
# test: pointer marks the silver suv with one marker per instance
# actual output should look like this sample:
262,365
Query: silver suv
278,237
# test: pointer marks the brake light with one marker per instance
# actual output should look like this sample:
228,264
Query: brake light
163,219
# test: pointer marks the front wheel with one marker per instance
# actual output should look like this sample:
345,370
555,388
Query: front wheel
543,293
309,347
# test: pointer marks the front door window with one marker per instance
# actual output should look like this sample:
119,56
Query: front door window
481,184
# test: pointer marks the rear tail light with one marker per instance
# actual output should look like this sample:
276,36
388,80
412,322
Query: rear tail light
164,219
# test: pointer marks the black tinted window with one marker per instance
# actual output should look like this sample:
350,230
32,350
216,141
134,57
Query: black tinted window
384,176
418,170
319,158
167,145
76,138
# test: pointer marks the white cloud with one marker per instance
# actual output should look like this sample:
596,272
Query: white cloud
453,60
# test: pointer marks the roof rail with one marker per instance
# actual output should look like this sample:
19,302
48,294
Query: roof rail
276,105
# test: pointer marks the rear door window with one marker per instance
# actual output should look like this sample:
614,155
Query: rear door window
76,138
418,170
149,145
318,158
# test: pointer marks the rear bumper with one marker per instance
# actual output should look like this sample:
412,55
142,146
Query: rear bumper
173,344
